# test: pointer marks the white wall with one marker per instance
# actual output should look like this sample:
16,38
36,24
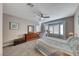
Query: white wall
0,29
76,25
14,34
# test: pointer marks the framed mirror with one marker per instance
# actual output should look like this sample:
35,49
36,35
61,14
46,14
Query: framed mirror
30,28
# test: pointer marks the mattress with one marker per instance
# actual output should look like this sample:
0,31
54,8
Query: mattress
49,45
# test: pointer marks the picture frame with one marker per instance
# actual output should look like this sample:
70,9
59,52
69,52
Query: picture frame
13,26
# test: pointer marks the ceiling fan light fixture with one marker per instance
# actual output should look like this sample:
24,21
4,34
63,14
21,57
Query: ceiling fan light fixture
42,18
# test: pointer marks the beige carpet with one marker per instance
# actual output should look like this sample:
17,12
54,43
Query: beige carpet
24,49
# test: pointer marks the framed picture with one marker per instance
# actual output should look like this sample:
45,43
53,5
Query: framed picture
13,26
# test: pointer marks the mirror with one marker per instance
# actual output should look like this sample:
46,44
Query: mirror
30,28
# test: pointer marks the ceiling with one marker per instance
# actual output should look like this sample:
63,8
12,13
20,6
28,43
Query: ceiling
54,10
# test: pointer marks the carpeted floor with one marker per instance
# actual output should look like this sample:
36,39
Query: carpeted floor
24,49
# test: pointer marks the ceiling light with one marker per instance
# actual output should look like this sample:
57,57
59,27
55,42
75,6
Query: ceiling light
42,18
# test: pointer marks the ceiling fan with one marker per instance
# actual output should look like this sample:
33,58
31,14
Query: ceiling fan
37,12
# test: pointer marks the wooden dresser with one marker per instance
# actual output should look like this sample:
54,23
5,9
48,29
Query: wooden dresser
31,36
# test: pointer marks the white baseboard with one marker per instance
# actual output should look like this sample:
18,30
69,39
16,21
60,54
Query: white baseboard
7,43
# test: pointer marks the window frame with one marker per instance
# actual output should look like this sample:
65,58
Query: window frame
57,35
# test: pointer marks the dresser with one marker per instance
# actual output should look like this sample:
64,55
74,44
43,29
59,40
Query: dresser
31,36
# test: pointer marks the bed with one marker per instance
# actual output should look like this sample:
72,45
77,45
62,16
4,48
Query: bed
47,45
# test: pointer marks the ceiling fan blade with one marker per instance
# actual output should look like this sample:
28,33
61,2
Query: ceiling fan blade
46,17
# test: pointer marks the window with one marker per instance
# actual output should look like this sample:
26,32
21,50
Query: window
61,29
56,29
51,29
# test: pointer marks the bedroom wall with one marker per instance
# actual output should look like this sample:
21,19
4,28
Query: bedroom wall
76,22
1,29
9,34
69,26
